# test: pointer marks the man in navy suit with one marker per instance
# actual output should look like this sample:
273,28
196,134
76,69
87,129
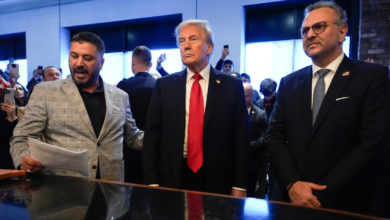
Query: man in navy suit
140,89
197,130
329,125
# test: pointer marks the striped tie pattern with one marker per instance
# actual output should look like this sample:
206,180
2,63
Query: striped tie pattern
319,93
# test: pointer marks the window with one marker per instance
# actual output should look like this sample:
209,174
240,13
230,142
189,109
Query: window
276,59
117,66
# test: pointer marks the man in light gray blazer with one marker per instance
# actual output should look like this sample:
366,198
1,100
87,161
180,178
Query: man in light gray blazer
81,112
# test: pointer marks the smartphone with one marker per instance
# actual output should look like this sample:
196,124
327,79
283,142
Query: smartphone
40,67
9,93
15,69
226,46
164,57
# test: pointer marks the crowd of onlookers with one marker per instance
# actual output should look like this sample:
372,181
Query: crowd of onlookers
13,110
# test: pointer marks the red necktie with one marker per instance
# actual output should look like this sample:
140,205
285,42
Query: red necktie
195,126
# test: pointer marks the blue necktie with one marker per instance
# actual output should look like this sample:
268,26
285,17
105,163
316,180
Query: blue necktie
319,93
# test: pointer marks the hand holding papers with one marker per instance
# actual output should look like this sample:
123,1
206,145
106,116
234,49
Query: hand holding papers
53,157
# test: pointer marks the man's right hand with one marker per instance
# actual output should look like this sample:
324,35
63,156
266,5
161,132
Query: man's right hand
225,53
161,59
29,164
301,193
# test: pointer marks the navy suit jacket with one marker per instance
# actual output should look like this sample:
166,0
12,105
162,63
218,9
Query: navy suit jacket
226,135
342,149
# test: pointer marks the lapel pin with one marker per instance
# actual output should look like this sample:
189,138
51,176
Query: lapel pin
253,112
218,81
110,90
345,74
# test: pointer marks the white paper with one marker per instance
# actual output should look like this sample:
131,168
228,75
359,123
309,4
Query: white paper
53,157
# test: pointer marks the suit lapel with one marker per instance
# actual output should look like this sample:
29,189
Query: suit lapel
337,85
215,82
304,87
74,96
109,97
179,86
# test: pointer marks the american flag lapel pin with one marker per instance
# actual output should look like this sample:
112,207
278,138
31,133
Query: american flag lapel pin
218,81
345,74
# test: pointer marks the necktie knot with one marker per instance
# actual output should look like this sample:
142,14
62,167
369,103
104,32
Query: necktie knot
323,72
197,77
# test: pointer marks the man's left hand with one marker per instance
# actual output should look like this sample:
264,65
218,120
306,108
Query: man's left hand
238,193
301,193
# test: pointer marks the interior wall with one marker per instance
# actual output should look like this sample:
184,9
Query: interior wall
42,35
48,41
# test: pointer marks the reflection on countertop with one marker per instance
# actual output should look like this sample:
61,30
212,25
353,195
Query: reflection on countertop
58,197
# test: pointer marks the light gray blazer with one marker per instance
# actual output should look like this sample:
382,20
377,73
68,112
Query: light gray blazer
57,110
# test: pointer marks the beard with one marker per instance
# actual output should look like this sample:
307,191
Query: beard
84,83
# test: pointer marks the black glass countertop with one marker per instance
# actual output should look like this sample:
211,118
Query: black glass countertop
57,197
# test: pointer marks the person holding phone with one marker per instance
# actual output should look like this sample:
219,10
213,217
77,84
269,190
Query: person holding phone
159,68
8,121
37,78
223,65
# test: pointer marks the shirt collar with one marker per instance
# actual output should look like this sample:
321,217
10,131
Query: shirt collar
205,73
99,89
333,66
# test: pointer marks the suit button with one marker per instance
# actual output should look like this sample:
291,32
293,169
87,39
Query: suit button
98,144
94,167
309,149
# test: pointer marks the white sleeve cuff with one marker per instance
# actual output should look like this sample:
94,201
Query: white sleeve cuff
241,189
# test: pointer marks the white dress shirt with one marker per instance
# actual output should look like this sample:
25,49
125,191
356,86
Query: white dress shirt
333,66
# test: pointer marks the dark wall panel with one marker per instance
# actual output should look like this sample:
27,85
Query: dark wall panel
280,21
155,33
13,45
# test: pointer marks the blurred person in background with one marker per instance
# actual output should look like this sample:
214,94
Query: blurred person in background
49,74
247,79
8,121
37,78
268,89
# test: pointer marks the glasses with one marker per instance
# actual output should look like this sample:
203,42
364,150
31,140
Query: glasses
317,28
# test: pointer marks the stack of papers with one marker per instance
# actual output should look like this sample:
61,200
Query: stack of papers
53,157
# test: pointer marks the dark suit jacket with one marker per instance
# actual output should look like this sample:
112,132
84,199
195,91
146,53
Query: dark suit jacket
258,128
341,150
261,104
140,89
225,135
162,71
6,131
258,154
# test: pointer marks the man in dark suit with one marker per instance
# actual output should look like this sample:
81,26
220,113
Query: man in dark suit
197,130
140,89
258,153
330,121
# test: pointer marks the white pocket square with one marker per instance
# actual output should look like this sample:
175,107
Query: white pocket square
342,98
